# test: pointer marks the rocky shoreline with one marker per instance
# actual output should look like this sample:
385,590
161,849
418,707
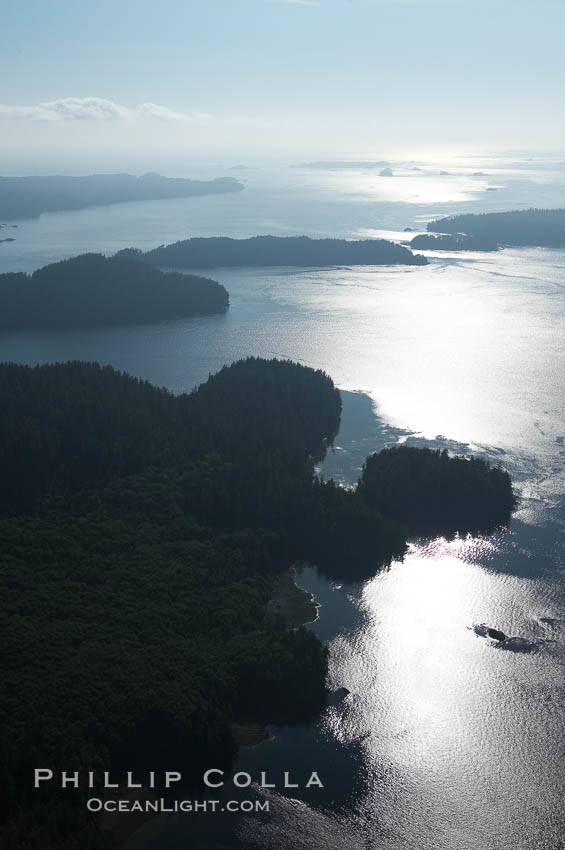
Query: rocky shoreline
296,606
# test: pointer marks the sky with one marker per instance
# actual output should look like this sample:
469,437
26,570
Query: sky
243,78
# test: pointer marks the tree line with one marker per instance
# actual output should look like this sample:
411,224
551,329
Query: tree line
206,253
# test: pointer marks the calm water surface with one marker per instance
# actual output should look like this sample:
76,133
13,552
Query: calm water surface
446,741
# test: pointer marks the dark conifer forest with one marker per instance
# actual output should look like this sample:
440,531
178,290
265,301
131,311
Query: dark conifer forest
544,228
93,290
142,534
430,492
207,253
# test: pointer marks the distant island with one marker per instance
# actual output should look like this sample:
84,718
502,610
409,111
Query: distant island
518,228
455,242
28,197
208,253
93,290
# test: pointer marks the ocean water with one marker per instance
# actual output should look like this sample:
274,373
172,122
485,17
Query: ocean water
446,741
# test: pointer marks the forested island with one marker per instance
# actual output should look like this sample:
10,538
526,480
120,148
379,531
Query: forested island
143,535
207,253
430,492
452,242
93,290
28,197
533,227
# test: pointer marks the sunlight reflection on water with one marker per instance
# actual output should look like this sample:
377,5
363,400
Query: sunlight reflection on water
446,716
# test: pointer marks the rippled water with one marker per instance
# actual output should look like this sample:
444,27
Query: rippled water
447,740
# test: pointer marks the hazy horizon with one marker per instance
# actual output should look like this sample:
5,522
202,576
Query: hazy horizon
130,86
250,167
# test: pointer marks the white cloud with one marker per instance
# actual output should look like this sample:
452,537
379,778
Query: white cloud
95,109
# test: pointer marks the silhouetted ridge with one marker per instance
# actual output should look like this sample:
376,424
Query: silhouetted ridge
206,253
543,228
92,290
28,197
